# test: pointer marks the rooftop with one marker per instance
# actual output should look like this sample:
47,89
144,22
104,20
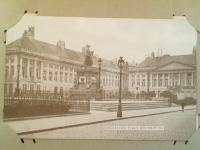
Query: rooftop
165,59
41,48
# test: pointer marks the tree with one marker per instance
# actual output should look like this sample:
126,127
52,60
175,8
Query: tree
152,94
143,94
169,95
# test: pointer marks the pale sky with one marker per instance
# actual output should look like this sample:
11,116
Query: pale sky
111,38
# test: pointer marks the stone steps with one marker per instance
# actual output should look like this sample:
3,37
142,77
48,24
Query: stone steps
112,106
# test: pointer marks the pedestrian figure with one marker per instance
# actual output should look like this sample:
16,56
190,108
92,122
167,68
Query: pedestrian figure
182,106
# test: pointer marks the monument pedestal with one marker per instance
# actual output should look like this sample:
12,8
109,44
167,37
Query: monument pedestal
87,84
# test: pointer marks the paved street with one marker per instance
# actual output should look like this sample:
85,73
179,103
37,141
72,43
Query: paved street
50,123
172,126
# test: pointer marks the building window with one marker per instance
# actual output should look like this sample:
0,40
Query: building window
44,88
66,77
37,73
166,82
12,71
176,79
61,91
38,70
138,82
10,89
70,77
56,66
50,76
31,88
133,83
149,82
133,80
31,73
31,69
6,72
143,82
24,72
55,90
55,76
61,76
24,88
182,79
171,79
44,75
75,77
159,80
24,67
189,79
38,87
154,80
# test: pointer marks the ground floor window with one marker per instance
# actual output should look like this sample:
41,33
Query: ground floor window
38,87
24,88
31,88
10,89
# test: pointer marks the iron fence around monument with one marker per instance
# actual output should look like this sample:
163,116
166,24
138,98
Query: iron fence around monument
39,103
79,100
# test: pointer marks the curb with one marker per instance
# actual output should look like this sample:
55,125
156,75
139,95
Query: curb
41,117
96,122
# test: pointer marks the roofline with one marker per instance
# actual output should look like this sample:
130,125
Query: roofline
171,63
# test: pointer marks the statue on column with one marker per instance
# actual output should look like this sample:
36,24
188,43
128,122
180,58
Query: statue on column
88,55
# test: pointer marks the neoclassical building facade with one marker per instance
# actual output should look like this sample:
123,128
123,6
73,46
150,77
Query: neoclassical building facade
162,73
41,66
33,65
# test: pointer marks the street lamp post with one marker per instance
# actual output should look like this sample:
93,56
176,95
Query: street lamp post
99,63
121,63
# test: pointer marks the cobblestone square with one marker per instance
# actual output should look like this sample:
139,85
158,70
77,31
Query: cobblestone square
176,125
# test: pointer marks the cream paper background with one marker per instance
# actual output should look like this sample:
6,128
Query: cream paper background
12,10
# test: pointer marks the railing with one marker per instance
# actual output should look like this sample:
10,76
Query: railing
79,101
43,103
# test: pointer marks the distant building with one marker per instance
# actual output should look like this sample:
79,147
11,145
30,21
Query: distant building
52,68
161,73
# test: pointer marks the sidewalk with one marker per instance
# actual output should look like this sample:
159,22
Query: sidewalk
47,124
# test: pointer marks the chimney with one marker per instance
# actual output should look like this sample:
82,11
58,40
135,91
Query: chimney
30,33
61,44
152,55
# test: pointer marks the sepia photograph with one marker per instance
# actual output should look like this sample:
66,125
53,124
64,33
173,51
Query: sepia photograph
101,78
